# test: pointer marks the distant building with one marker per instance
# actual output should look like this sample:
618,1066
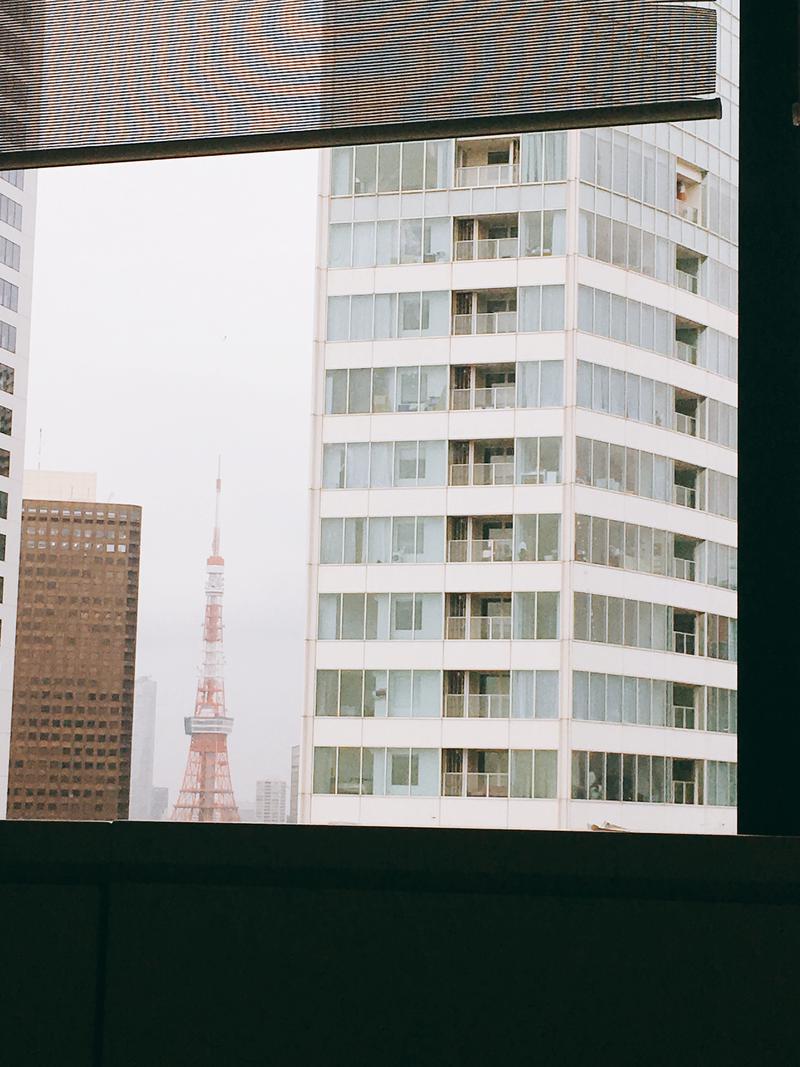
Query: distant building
271,801
247,813
159,802
294,784
72,710
59,485
144,743
17,215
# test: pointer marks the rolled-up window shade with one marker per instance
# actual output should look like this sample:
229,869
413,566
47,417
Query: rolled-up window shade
84,80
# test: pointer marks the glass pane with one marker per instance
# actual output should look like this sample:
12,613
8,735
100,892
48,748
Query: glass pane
351,693
545,774
329,608
324,770
409,314
389,168
413,165
359,390
400,694
333,467
341,172
339,245
380,540
433,388
430,540
364,244
366,168
357,474
331,541
522,774
327,695
336,392
352,616
547,694
523,694
427,693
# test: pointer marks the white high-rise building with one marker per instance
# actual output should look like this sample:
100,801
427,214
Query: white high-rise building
143,801
522,608
271,797
294,784
17,216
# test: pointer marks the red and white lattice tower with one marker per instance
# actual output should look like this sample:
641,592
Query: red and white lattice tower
207,794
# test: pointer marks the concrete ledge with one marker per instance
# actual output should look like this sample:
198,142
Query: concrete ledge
131,944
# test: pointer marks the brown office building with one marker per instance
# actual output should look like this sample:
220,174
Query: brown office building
72,713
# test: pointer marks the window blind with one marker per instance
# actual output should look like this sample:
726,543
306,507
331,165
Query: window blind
97,80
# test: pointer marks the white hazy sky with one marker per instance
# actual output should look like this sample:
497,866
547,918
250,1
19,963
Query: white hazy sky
172,321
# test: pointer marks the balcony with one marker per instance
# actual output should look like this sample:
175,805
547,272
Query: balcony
482,388
485,311
479,628
481,463
688,192
487,174
487,322
488,248
478,705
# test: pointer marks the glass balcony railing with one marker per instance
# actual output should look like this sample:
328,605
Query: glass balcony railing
488,174
474,784
683,643
479,628
686,211
686,353
683,568
685,424
480,784
485,322
488,248
496,550
684,280
493,396
683,793
683,716
477,705
500,473
685,496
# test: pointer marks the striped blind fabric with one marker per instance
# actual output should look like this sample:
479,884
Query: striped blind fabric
84,80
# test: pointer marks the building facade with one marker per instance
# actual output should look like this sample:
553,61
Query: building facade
143,800
72,714
17,213
271,797
523,577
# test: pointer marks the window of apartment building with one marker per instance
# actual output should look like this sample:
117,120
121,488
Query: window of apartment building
9,253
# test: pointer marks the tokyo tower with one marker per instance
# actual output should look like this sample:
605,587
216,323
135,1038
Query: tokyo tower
207,794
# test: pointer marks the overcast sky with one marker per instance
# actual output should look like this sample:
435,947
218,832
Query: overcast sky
172,320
